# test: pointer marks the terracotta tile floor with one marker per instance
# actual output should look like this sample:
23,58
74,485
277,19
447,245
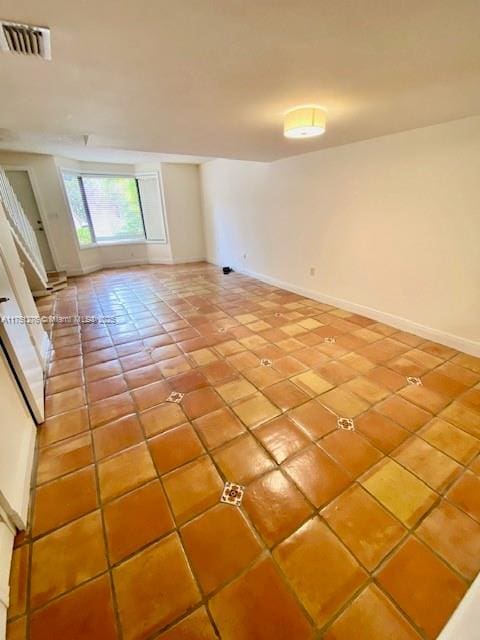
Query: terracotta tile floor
343,533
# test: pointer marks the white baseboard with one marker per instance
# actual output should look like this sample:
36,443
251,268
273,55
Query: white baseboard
130,263
466,345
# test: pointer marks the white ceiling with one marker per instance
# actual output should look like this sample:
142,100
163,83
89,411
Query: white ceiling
213,78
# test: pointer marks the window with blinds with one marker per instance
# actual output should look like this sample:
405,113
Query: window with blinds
110,208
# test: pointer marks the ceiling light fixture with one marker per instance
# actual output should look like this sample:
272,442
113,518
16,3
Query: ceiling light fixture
304,122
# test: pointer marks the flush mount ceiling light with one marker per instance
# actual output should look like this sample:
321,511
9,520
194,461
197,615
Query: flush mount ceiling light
304,122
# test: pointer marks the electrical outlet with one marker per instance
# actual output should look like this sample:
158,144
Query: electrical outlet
244,256
312,271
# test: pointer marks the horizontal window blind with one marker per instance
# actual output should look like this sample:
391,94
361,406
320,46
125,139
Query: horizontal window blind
114,206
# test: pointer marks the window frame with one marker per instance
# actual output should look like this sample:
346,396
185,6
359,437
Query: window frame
107,174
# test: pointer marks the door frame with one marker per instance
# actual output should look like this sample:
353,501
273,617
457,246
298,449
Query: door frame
41,210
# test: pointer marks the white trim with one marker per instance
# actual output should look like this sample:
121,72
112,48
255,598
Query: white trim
132,262
41,209
465,621
44,350
466,345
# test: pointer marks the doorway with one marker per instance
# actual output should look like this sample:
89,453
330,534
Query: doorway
22,186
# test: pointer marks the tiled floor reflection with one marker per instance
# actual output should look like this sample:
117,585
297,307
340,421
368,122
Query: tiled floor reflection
366,528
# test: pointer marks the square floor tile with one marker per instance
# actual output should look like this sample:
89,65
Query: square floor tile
219,544
286,395
242,460
175,447
429,464
193,488
371,615
255,410
63,426
453,441
218,427
402,493
162,417
100,389
136,519
263,377
282,438
462,417
236,390
18,581
142,376
465,494
382,432
154,588
64,457
404,413
370,391
17,629
275,506
109,409
288,366
63,382
200,402
424,398
196,626
386,378
83,614
314,419
365,527
218,372
124,471
312,383
434,582
116,436
64,499
66,558
454,536
64,401
344,403
151,395
350,450
443,384
322,572
319,478
259,605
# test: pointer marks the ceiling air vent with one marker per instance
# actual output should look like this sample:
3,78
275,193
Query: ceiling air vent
25,39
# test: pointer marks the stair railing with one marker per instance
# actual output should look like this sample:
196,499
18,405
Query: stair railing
20,226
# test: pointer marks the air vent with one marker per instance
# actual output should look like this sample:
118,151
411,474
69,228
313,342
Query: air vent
25,39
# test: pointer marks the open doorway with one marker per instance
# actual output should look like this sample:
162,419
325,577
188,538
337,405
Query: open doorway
22,186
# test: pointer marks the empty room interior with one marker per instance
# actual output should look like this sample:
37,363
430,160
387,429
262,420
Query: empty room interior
240,320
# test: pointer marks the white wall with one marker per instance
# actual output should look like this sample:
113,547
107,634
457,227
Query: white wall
181,184
391,224
181,187
52,204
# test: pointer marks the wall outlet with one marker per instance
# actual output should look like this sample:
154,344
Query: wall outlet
312,271
244,256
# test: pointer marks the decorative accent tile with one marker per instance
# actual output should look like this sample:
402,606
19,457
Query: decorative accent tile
414,380
330,340
346,424
232,494
175,396
265,362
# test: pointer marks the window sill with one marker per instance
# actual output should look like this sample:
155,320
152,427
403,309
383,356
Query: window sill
119,243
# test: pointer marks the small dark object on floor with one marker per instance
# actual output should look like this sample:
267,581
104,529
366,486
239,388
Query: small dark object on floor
227,270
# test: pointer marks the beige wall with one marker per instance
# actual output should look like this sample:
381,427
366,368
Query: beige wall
390,225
